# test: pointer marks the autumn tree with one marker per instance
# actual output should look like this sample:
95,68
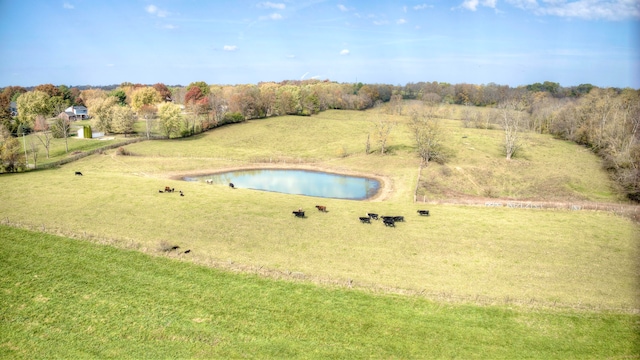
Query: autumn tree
10,152
91,96
102,113
144,97
204,88
48,89
163,90
170,119
123,120
193,95
32,104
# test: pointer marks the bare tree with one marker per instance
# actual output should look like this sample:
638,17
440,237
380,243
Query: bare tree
510,116
148,112
381,129
33,146
62,128
45,138
427,133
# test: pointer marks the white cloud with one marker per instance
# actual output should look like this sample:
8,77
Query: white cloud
422,7
111,65
524,4
470,5
342,7
613,10
230,48
401,21
275,16
344,52
68,6
291,56
270,5
170,26
380,22
473,4
154,10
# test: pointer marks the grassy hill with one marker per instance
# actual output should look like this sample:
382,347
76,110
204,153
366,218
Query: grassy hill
527,259
65,298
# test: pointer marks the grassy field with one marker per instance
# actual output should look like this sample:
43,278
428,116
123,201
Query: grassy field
531,261
65,298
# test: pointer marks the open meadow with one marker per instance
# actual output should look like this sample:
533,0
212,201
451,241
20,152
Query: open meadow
544,265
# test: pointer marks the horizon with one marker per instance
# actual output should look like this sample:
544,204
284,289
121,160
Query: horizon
511,42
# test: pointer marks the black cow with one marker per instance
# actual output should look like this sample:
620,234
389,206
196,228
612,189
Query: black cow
299,213
78,173
389,222
232,186
365,220
398,218
373,216
423,212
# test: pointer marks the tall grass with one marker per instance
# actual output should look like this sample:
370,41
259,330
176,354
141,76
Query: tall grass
65,298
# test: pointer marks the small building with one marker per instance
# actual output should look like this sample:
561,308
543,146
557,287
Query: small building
85,132
13,108
80,112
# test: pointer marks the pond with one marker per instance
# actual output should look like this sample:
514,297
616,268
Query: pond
298,182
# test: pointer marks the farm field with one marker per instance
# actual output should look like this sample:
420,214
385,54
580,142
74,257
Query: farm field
531,261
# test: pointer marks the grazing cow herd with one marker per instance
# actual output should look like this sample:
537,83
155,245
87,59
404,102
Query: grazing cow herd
386,220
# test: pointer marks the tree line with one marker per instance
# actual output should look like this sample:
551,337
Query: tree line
607,120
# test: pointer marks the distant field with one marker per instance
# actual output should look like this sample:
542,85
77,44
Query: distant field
566,259
69,299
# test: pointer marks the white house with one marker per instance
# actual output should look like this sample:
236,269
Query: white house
80,112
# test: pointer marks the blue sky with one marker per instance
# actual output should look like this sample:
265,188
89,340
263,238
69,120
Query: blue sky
508,42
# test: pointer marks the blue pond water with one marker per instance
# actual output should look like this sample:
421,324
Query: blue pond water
299,182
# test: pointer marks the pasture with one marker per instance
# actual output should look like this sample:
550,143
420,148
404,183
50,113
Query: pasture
528,259
65,298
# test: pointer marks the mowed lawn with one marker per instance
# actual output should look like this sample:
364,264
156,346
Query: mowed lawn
72,299
567,259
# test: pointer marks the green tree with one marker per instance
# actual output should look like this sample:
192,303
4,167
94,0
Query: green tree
170,119
120,95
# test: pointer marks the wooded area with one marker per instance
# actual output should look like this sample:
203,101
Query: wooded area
606,120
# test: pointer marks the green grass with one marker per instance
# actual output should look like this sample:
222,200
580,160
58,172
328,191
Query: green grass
65,298
530,269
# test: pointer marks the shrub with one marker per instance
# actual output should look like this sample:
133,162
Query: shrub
122,151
